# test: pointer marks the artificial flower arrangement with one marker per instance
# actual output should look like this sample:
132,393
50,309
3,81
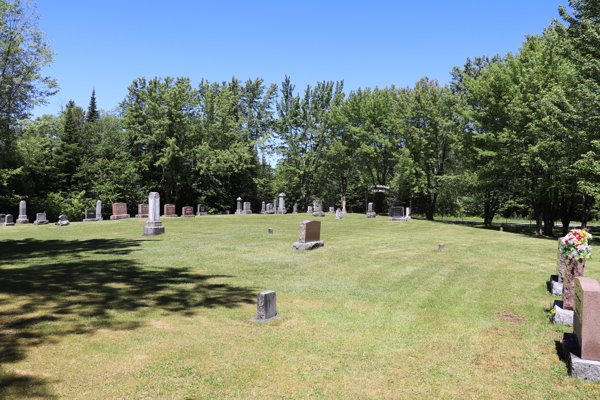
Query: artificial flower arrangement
576,243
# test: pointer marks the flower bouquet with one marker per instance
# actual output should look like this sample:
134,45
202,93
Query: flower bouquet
576,244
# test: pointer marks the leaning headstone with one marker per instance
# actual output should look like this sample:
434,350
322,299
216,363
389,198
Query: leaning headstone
338,214
63,220
370,212
170,210
22,213
263,209
142,211
40,219
238,210
310,236
154,226
247,208
295,208
188,212
584,351
119,211
281,209
397,214
201,210
8,220
266,307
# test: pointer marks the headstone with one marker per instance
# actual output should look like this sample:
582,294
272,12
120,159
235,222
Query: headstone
310,209
22,213
170,210
281,209
441,247
2,219
275,206
331,210
119,211
238,210
201,210
90,215
266,307
338,214
154,226
407,216
270,231
397,214
8,220
63,220
40,219
574,269
142,211
586,324
99,211
188,212
269,209
310,236
263,209
247,208
295,208
95,214
370,212
318,210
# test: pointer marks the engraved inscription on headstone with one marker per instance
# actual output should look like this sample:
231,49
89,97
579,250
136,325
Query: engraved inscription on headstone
170,210
22,213
200,210
119,211
310,236
187,211
586,322
8,220
40,219
142,211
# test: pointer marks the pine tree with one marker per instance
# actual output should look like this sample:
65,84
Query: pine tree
92,114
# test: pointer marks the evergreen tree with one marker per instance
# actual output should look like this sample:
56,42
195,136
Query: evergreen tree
92,114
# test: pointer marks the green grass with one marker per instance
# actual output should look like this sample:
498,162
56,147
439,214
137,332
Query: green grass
97,311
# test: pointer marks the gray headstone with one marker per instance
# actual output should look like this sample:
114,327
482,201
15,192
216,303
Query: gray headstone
22,213
8,220
99,210
154,226
266,307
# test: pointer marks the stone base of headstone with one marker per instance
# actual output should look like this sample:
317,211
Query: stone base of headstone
371,214
245,212
94,219
188,216
554,287
169,216
8,224
41,222
281,212
123,216
62,223
308,245
154,228
201,213
561,316
587,370
398,219
318,214
141,215
22,219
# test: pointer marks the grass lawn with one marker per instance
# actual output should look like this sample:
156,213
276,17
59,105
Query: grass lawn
97,311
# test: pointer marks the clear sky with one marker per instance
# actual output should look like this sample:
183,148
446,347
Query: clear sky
106,44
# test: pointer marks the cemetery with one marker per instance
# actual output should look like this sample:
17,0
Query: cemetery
185,308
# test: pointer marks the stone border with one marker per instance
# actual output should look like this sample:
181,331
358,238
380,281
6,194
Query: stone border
308,245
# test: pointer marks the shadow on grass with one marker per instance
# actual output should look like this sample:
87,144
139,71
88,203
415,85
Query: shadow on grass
15,386
69,288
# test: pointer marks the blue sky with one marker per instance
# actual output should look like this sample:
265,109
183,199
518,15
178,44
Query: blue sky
106,44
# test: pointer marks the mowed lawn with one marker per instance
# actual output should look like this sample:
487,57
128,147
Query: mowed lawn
97,311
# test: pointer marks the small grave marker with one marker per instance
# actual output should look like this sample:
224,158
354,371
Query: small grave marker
266,307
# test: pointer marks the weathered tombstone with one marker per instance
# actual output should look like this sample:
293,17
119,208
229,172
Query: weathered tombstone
317,207
22,213
142,211
574,269
295,208
95,214
270,231
187,211
370,212
310,236
397,214
441,247
40,219
63,220
310,209
8,220
247,208
99,211
154,226
338,214
266,306
263,210
2,219
201,210
119,211
331,210
408,213
269,209
170,210
281,209
238,210
90,215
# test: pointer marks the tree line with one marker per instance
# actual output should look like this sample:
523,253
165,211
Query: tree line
513,135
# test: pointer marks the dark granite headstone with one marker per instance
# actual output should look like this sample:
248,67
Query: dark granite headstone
90,214
187,211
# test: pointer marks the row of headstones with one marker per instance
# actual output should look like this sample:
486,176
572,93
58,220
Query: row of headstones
119,211
582,348
41,219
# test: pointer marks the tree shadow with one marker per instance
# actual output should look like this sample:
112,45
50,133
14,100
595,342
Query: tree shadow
68,287
15,386
520,229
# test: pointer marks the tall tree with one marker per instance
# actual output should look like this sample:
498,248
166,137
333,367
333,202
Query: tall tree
92,113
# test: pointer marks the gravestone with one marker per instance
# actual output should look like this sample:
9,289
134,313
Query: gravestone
370,212
8,220
22,213
94,214
99,211
408,213
310,236
270,231
295,208
573,269
441,247
63,220
317,207
40,219
331,210
170,210
187,212
142,211
270,209
397,214
201,210
338,214
119,211
247,208
263,210
266,307
310,209
275,206
281,209
2,219
90,215
586,324
154,226
238,210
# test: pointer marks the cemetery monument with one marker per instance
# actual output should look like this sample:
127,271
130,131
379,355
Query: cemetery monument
119,211
310,236
154,226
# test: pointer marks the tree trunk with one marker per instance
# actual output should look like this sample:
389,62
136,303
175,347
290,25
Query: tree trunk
431,200
538,220
584,213
548,220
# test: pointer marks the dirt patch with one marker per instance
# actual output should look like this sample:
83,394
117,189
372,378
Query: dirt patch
512,318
